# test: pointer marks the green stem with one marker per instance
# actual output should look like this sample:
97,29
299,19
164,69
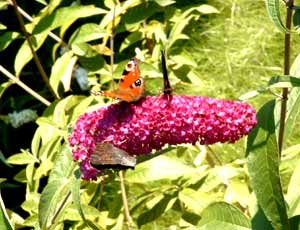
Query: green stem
125,201
287,51
35,57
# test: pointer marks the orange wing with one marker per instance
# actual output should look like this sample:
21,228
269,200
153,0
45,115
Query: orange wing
131,86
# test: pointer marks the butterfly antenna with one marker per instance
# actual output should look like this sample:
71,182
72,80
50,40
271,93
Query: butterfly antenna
167,87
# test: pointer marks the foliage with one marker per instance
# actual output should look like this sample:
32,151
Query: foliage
186,187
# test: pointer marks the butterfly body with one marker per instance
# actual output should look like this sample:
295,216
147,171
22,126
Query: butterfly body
131,85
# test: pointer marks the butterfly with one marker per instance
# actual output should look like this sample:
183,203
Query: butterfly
107,156
131,85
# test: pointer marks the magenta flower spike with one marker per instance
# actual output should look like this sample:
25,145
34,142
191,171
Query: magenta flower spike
150,123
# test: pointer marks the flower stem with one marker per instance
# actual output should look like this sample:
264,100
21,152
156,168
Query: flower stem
35,57
287,51
124,198
25,87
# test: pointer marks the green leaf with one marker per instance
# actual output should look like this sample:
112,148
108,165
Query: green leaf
292,111
7,38
55,192
66,15
295,68
63,165
24,54
155,212
284,82
75,189
207,9
292,197
296,20
164,3
274,14
87,32
81,108
131,39
263,166
62,72
4,219
158,168
4,86
3,4
58,188
196,201
223,216
22,158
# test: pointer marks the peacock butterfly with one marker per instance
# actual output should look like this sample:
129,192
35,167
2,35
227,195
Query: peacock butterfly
131,85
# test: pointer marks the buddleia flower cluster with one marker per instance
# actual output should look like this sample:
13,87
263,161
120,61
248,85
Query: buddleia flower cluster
149,124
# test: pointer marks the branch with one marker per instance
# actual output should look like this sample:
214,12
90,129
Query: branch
25,87
35,57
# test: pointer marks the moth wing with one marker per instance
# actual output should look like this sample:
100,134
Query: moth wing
108,154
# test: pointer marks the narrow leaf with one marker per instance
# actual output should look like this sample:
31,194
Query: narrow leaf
21,158
24,54
293,198
263,166
155,212
53,194
62,72
274,14
292,111
284,82
7,38
4,219
66,15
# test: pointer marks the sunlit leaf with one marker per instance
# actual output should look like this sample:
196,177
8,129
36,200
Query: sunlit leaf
295,68
4,86
164,2
158,168
4,219
87,32
155,212
263,166
223,216
24,54
62,72
53,194
21,158
292,197
130,40
292,111
63,165
274,14
284,82
207,9
196,201
66,15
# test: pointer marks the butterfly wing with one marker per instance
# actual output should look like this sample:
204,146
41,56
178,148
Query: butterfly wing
107,155
131,86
